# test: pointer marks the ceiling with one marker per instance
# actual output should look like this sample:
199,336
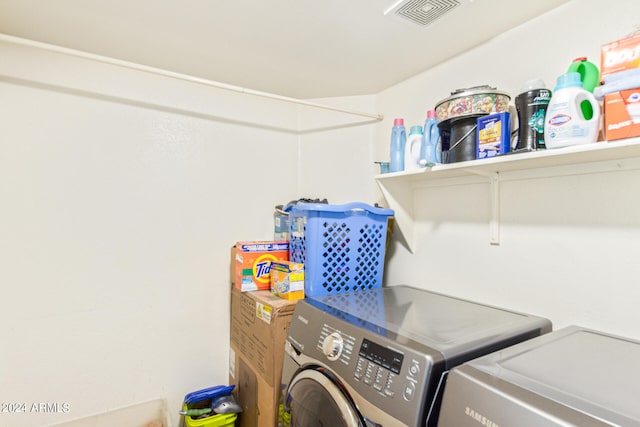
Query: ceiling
296,48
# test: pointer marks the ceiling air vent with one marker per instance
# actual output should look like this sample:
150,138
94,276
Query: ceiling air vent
424,12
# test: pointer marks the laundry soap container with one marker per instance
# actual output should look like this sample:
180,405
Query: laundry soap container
342,247
413,149
573,114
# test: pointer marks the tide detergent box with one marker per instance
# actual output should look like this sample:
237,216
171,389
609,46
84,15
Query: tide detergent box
287,279
253,263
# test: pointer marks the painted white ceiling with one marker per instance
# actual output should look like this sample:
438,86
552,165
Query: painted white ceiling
296,48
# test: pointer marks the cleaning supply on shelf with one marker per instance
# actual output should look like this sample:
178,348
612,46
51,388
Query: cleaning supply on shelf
413,148
620,55
566,122
398,142
493,135
531,105
432,147
589,76
589,73
620,71
384,166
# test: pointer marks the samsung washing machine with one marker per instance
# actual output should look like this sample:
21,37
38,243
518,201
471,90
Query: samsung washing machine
571,377
380,357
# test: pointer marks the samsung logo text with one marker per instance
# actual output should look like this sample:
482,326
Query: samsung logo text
481,419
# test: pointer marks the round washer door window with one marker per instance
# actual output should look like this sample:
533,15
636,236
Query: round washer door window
314,400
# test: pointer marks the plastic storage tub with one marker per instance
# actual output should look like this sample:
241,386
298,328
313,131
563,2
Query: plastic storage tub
218,420
203,399
342,247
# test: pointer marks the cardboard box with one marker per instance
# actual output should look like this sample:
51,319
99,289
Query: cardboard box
493,136
259,325
620,55
232,262
253,263
622,114
621,109
287,279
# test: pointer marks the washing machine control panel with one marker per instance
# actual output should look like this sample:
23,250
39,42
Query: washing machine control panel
381,356
378,367
386,371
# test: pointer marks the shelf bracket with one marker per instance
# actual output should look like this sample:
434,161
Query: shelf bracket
494,220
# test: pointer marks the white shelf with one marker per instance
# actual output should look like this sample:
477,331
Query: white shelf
398,188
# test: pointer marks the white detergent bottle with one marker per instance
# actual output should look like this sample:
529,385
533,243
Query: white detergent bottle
573,114
431,146
413,148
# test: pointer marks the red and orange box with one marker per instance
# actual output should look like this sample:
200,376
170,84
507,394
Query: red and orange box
253,263
622,108
620,55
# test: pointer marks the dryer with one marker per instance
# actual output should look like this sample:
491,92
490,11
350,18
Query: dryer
380,357
571,377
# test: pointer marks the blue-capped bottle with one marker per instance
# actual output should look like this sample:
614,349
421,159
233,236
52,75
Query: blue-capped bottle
398,142
432,148
413,149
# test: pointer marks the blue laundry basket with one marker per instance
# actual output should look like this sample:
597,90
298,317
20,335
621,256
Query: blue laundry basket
342,247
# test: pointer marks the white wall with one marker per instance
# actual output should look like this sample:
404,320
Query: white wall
337,163
122,193
122,190
568,243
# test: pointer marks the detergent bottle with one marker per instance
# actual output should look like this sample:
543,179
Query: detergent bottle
398,142
531,105
431,148
589,73
573,114
589,76
413,148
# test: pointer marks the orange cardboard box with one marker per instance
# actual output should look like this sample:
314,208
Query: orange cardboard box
622,114
621,109
620,55
253,263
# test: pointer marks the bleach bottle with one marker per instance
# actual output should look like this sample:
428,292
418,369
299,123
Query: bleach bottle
431,147
398,142
573,114
413,148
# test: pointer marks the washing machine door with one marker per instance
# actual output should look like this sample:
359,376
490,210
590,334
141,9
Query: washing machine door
315,398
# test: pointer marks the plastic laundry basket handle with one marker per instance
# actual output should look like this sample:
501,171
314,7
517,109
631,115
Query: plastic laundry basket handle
354,208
